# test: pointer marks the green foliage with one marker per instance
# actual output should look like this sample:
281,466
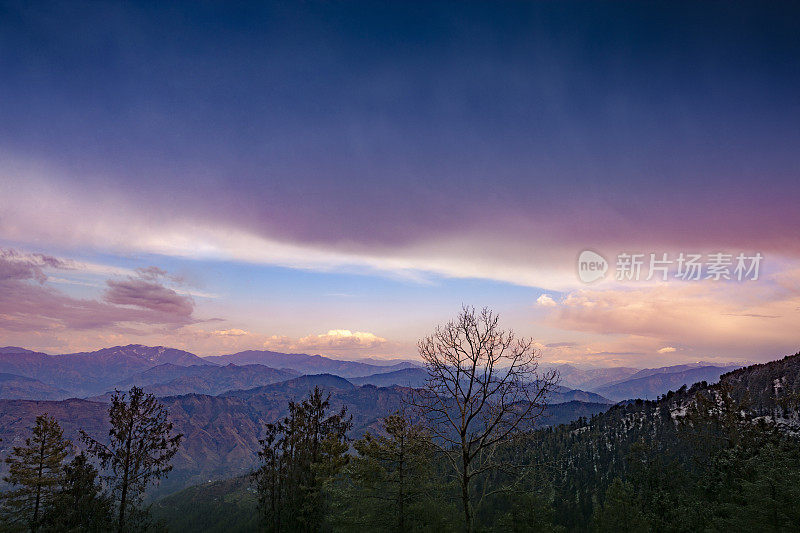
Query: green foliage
619,512
226,506
140,449
80,504
300,454
36,472
391,484
530,513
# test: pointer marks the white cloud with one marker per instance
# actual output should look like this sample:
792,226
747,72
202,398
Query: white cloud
546,301
234,332
666,349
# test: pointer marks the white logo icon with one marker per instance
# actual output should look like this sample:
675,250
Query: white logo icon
591,266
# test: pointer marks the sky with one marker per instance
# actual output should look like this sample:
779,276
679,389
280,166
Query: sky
341,177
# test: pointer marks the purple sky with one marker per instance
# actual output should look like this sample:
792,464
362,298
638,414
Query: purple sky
294,173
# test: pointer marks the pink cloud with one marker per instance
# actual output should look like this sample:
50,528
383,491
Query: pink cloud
747,320
28,304
148,295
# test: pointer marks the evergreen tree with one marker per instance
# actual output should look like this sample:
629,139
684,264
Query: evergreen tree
530,513
141,446
80,504
35,470
619,513
389,485
300,454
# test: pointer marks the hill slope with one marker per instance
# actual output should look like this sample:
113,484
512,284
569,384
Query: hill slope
13,387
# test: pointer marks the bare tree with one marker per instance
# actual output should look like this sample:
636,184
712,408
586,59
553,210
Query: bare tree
483,389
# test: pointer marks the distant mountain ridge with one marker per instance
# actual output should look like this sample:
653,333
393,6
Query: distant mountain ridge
14,387
86,373
168,371
587,379
172,380
650,385
306,364
406,377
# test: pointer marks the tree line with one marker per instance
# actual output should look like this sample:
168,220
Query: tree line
102,487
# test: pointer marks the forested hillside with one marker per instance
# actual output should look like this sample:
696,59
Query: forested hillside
707,457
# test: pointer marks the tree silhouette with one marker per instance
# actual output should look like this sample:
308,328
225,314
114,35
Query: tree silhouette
483,389
141,446
36,470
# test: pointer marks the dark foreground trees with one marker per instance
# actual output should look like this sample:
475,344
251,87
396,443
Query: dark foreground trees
80,503
35,473
392,482
48,495
483,390
299,455
140,447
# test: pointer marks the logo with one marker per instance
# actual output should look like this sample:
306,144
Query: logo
591,266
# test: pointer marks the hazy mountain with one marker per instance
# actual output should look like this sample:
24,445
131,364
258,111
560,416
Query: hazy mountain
679,368
415,377
650,386
407,377
564,395
306,364
296,388
88,373
157,355
14,349
13,387
591,378
172,380
377,361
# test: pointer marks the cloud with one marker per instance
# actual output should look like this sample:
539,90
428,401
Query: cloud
148,295
15,265
546,301
333,340
745,319
233,332
666,349
28,304
151,272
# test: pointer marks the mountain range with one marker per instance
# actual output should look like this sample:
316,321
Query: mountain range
649,385
87,374
589,448
167,371
307,364
221,403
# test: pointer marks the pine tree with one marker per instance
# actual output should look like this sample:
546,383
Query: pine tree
619,512
390,485
80,504
141,446
299,455
36,471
